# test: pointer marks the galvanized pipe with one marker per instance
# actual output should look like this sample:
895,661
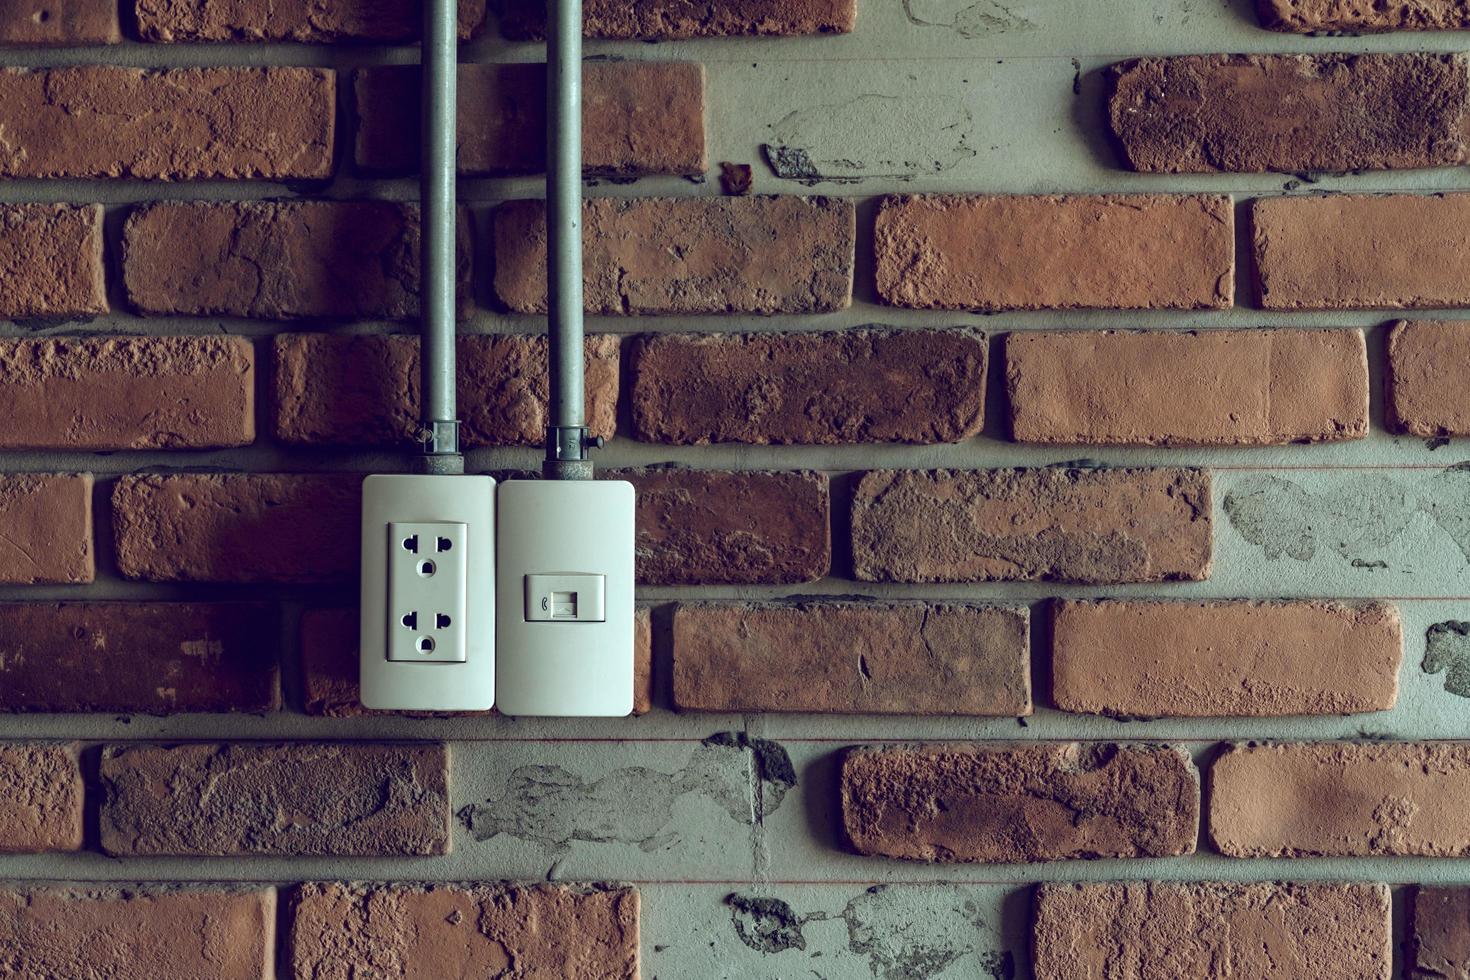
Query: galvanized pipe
566,438
439,93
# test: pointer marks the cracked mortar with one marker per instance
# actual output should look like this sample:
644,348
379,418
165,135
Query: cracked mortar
904,934
1360,519
747,777
1447,651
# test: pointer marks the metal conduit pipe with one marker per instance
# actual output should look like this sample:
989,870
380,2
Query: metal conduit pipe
439,426
566,438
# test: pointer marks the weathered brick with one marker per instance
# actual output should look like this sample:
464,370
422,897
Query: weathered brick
1004,803
1363,16
1254,113
340,931
1038,252
156,658
168,124
329,664
279,260
1372,252
1310,799
292,20
238,527
59,22
40,800
666,20
48,528
1440,945
1266,931
638,118
363,390
1427,366
838,657
94,393
711,527
688,255
51,260
1096,526
1147,658
216,799
1187,388
224,932
826,388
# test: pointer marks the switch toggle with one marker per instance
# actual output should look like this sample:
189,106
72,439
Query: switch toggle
566,598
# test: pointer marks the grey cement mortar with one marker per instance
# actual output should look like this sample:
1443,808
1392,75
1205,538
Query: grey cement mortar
744,875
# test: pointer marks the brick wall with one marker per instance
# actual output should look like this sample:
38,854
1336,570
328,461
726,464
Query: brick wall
1053,503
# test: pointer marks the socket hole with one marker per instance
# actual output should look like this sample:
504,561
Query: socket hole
426,568
411,620
411,543
426,644
445,544
441,621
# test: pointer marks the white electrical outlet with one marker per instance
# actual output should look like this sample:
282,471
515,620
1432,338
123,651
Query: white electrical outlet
564,596
428,593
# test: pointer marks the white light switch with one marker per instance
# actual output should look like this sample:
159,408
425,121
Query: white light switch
566,598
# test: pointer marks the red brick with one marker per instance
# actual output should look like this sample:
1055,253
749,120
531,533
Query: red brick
841,657
1363,16
1187,388
638,118
1263,930
1440,945
344,799
224,932
1427,365
329,664
360,390
279,260
59,22
710,527
241,527
1093,526
168,124
51,261
40,800
1341,799
432,931
1004,803
98,393
1292,113
1372,252
688,255
997,252
1148,658
293,20
48,528
666,20
158,658
843,386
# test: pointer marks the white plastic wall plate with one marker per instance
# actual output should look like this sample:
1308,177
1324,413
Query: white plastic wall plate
568,539
458,672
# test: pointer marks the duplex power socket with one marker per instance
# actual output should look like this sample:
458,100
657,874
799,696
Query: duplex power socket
564,591
427,633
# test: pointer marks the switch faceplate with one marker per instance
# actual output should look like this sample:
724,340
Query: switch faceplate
560,540
449,522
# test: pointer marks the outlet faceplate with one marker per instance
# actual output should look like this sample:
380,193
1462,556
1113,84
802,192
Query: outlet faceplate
448,522
427,597
569,543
